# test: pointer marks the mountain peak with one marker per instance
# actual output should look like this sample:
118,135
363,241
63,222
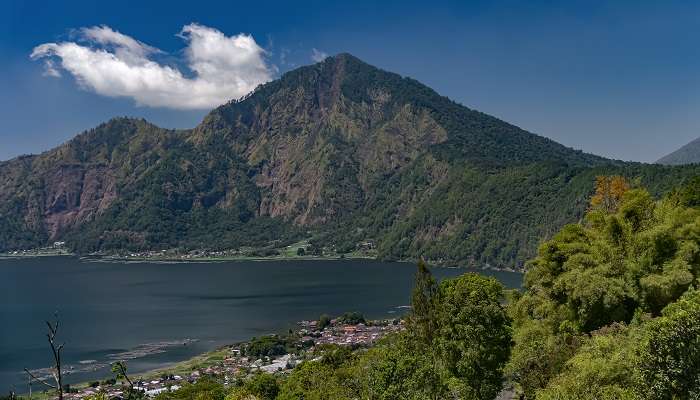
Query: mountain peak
687,154
346,58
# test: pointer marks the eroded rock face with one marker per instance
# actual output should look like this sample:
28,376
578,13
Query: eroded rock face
74,194
319,152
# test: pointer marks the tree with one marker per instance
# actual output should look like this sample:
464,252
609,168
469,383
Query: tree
399,368
312,380
323,321
608,192
601,369
262,385
120,372
688,194
203,389
56,352
669,361
421,320
267,346
351,318
473,337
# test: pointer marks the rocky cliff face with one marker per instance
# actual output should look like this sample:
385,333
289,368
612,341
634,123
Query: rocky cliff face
65,187
339,150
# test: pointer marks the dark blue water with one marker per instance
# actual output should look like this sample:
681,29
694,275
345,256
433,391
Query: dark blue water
108,308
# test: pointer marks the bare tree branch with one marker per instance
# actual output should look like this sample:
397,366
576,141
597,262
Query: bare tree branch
39,380
56,350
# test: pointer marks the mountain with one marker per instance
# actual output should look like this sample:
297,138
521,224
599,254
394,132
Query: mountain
340,152
688,154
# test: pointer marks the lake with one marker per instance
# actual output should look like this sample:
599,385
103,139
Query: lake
156,314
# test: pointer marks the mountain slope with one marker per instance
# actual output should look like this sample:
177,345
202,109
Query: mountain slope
688,154
339,151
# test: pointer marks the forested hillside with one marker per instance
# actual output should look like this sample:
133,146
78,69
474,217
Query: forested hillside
338,152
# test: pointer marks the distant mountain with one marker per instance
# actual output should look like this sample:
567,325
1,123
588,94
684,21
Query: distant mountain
340,152
688,154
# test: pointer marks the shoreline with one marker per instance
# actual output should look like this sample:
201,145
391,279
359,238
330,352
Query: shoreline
117,259
126,259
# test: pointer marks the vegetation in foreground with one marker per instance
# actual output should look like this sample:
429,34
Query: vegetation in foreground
611,307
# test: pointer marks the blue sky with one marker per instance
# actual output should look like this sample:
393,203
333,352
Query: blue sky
619,79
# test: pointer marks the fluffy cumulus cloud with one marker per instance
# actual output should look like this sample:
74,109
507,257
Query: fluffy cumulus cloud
113,64
318,55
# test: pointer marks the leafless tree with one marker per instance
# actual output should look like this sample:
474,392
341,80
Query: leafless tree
56,350
29,383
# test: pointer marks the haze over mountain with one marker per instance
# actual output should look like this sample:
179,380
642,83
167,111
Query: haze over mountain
339,151
687,154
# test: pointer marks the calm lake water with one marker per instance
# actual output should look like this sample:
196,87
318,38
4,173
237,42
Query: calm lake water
156,314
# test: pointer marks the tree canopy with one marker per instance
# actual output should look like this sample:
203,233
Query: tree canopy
601,316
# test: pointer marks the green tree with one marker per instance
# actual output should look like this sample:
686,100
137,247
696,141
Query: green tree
601,369
323,321
473,338
317,381
203,389
669,362
352,318
421,320
120,372
262,385
399,368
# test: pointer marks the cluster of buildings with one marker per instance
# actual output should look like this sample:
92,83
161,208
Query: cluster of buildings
150,388
58,248
186,256
351,335
236,364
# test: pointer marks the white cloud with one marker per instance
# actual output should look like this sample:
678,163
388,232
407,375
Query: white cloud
50,69
116,65
318,55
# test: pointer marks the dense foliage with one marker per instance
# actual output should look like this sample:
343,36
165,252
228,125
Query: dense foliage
610,308
268,346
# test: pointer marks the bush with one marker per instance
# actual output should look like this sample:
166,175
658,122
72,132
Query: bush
351,318
267,346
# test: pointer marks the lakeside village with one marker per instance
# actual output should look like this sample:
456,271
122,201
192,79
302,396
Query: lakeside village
274,354
302,249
